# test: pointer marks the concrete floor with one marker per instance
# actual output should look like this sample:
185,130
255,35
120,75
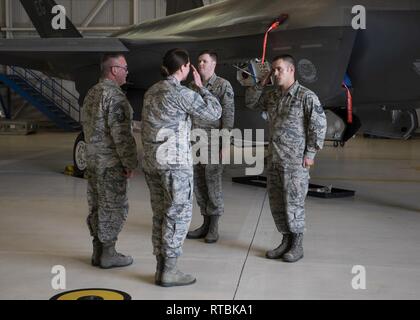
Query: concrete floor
42,224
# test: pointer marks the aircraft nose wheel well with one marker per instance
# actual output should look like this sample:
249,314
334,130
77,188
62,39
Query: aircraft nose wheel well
79,155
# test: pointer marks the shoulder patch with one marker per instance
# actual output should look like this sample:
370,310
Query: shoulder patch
319,109
313,98
121,117
229,94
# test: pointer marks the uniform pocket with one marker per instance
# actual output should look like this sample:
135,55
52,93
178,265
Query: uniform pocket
295,110
181,186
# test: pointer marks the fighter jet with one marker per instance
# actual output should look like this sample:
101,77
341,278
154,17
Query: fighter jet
380,61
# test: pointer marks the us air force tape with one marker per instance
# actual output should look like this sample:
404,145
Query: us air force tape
92,294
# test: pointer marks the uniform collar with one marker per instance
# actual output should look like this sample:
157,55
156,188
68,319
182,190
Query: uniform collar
292,90
173,80
110,83
211,81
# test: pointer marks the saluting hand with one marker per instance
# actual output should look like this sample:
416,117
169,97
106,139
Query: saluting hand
266,79
197,77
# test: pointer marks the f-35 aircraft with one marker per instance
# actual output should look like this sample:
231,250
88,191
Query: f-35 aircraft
382,62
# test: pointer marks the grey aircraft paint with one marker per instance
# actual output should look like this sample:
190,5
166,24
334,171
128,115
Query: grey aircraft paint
382,61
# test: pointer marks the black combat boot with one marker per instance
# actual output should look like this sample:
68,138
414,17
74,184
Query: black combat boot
172,276
97,252
112,259
296,249
200,232
213,233
159,269
281,249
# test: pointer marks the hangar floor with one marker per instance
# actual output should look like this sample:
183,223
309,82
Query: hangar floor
42,224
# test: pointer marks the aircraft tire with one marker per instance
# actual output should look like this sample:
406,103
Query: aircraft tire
79,155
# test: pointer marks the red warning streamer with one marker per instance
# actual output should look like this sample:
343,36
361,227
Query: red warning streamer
273,26
349,104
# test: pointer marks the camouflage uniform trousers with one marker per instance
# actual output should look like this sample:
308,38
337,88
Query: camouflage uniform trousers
171,195
208,188
287,190
108,202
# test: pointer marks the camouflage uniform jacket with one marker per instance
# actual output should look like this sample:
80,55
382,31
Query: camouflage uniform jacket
296,119
166,123
223,91
107,126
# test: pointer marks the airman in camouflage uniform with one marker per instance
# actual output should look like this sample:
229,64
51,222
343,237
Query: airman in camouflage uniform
166,125
111,158
297,127
208,176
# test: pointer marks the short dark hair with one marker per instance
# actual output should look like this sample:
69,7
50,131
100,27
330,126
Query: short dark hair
211,53
286,57
173,60
105,59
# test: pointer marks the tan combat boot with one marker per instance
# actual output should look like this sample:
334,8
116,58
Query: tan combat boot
172,276
281,249
159,269
296,249
110,258
97,252
213,233
202,231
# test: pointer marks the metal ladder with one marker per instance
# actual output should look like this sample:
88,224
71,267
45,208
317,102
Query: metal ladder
46,94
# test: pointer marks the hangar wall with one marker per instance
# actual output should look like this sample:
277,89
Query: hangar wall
93,18
111,15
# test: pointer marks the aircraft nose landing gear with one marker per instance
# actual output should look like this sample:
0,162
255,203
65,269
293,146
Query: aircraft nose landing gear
79,156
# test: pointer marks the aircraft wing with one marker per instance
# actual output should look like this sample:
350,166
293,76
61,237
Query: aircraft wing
57,56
